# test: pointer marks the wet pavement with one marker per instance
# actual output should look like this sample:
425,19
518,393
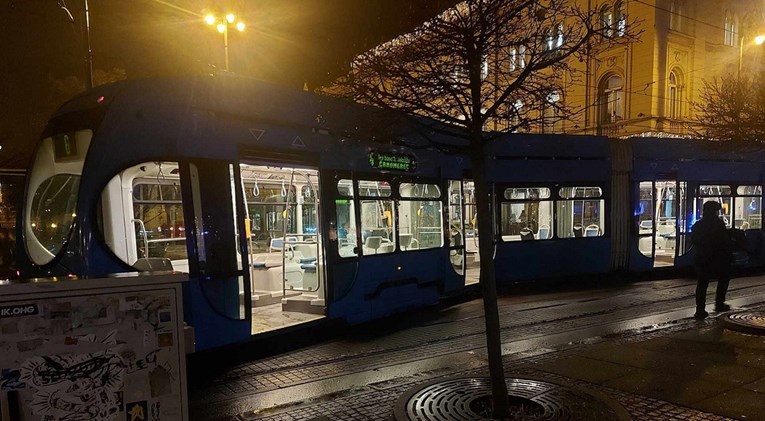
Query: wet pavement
634,343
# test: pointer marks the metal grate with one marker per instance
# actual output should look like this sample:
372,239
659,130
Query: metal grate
453,400
747,321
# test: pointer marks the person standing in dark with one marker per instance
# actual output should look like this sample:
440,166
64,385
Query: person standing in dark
711,241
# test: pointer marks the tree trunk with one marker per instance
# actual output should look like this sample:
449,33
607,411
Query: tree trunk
501,404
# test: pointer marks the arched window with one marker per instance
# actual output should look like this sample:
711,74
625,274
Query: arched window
674,95
611,99
731,28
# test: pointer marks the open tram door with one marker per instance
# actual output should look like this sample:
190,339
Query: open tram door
456,233
469,216
284,245
661,220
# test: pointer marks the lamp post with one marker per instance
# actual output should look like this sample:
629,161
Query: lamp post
759,40
222,25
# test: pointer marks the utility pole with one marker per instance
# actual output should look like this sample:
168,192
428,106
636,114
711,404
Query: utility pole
89,52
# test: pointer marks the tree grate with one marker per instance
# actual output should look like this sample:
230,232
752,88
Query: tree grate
747,321
531,399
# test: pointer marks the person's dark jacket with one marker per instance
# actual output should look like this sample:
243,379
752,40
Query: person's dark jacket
712,243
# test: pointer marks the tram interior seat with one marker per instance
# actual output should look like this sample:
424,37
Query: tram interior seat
269,272
372,243
592,230
278,243
577,230
544,232
644,245
153,264
405,240
527,234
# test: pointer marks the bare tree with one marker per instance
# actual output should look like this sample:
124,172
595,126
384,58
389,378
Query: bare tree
481,63
731,108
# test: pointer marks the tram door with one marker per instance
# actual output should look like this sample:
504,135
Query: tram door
472,256
217,214
456,227
661,213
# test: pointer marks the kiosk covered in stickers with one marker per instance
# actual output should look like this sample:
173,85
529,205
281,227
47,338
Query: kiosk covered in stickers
95,349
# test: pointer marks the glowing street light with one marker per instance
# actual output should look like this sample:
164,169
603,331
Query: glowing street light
222,24
759,40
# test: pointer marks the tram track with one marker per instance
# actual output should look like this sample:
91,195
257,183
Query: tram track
410,349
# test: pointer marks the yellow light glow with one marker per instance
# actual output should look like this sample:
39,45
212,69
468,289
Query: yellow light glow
230,18
210,19
221,27
240,26
759,39
53,225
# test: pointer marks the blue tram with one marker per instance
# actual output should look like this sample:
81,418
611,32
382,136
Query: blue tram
287,208
270,199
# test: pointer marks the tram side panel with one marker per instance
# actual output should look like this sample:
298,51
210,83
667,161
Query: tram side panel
388,248
552,213
672,178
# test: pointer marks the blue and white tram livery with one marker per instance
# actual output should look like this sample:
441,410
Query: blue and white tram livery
261,194
283,209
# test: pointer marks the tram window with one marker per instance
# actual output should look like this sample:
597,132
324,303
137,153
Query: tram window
374,188
580,213
747,208
413,190
377,226
714,190
526,217
725,213
345,187
420,222
142,217
53,183
346,220
308,209
527,193
53,211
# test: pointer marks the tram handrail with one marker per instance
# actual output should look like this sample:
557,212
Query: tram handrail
291,241
145,237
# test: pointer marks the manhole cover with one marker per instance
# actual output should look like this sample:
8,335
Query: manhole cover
459,399
747,321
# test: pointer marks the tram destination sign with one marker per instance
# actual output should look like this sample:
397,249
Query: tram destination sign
392,161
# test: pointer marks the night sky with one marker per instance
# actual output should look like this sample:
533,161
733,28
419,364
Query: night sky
290,42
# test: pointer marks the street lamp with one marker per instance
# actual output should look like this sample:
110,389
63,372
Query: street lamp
759,40
222,24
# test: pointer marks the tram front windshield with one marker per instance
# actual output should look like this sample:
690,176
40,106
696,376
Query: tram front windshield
52,189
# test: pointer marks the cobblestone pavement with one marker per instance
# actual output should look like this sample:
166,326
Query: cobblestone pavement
360,376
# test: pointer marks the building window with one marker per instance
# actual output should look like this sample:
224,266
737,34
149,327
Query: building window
517,58
730,29
607,20
555,38
676,15
620,21
611,100
551,114
674,96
